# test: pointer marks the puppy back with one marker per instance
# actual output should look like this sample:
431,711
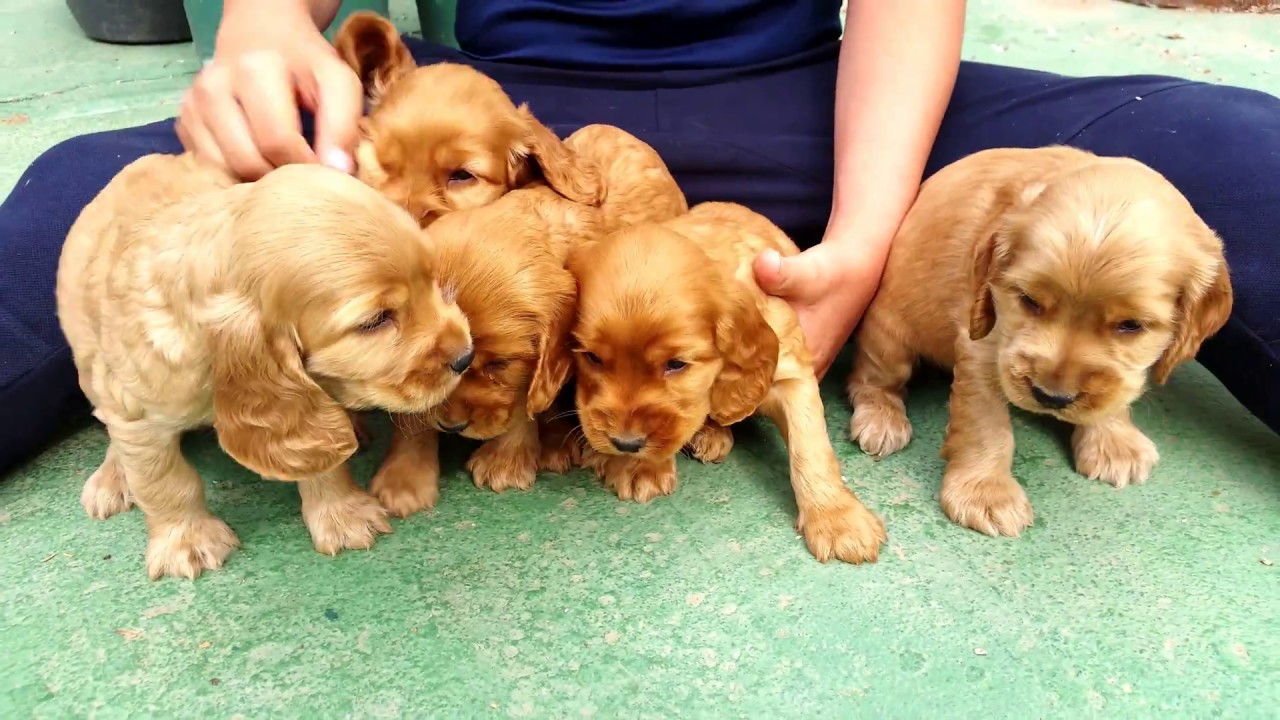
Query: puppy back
639,186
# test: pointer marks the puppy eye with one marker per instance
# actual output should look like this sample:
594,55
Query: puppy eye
459,176
593,358
675,366
377,322
1030,304
1128,327
495,365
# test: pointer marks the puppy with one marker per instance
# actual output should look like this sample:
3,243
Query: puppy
264,309
506,265
1051,279
675,342
445,136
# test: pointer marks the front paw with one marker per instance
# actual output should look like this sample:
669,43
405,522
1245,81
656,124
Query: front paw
880,428
846,531
501,467
105,492
560,452
636,480
711,444
1116,455
350,521
405,485
188,548
992,503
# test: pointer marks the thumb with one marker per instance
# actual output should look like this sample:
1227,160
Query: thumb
786,277
340,103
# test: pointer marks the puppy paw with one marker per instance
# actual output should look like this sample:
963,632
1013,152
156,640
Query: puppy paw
189,548
105,492
994,504
500,467
711,444
846,531
1115,454
405,486
638,481
560,455
880,428
345,522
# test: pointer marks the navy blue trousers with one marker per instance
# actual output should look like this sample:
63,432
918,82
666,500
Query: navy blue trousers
761,136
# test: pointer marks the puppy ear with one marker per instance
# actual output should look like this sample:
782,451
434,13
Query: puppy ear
269,415
371,45
1203,308
982,308
575,177
555,358
749,348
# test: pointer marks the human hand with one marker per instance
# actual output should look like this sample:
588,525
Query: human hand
830,286
241,112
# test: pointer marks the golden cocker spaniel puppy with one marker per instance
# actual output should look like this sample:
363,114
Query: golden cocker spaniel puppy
1051,279
506,265
445,137
675,342
266,310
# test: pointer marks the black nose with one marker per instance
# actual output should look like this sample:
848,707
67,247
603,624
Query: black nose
1053,402
455,428
627,444
463,361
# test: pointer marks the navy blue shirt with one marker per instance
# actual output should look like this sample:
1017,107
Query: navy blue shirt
644,34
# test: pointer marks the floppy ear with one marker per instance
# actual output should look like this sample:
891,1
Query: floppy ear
575,177
269,415
371,45
982,309
749,348
1203,308
555,359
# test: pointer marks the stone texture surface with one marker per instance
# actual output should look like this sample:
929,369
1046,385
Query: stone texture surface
1159,600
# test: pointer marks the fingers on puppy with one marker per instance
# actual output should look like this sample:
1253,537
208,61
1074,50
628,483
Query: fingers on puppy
1049,279
444,136
189,300
674,342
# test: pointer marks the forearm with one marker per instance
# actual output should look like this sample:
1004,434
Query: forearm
321,12
898,65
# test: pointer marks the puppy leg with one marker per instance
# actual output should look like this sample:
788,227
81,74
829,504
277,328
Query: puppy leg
1114,451
978,487
877,389
560,446
184,538
106,492
711,444
834,522
409,478
509,460
633,479
339,515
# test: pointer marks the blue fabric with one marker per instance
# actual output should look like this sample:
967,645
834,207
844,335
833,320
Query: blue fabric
643,34
760,136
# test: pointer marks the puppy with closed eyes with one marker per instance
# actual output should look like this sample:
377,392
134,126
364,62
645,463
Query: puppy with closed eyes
675,342
1051,279
267,310
506,265
445,137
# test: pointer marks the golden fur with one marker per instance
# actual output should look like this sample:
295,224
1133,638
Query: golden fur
265,309
1051,279
675,342
506,262
445,137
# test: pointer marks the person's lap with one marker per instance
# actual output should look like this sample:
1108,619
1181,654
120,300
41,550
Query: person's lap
762,139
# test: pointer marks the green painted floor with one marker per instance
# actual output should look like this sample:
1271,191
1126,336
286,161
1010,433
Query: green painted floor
1160,600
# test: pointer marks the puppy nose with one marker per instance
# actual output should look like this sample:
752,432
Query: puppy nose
463,361
1053,402
627,444
455,428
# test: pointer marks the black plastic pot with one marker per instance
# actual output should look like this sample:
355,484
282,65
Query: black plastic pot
132,22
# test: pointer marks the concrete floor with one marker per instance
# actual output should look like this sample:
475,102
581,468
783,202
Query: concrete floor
1161,600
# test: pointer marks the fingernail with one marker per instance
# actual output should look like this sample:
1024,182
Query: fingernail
774,258
338,160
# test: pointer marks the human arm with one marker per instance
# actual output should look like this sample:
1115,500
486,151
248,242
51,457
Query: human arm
897,68
242,110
